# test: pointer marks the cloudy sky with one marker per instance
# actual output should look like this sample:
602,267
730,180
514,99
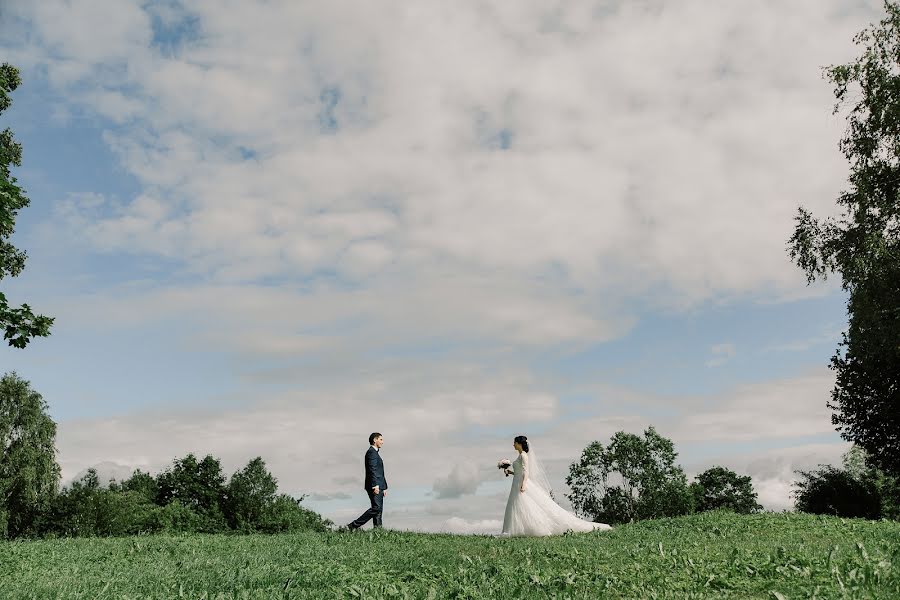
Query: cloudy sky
272,227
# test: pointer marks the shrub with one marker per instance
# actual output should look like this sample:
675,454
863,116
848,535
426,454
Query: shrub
832,491
720,488
286,514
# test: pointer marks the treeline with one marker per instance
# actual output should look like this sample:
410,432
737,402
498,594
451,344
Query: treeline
635,478
190,496
856,489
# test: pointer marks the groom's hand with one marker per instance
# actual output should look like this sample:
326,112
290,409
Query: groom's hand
375,489
384,493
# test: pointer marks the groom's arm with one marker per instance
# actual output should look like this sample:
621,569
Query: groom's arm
372,466
384,485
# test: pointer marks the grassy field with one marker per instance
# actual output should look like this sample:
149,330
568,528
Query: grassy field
716,555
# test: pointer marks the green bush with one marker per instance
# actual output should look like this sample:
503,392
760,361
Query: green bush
720,488
671,498
176,517
890,496
250,495
832,491
124,513
286,514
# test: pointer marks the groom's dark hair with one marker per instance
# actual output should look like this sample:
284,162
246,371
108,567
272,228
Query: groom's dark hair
373,436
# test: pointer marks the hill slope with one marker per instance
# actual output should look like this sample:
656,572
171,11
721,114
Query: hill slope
714,555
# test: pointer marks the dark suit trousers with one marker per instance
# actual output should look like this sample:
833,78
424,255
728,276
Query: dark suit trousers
373,513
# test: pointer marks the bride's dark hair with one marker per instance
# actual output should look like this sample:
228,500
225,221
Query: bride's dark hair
522,441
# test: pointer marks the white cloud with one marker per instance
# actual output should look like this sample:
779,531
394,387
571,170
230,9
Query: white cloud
530,176
832,337
106,472
788,408
443,432
642,158
462,480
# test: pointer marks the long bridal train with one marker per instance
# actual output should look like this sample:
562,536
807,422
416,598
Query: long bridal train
534,512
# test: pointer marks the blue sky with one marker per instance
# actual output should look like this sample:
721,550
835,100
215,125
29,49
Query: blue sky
268,229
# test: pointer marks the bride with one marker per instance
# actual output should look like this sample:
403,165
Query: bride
530,509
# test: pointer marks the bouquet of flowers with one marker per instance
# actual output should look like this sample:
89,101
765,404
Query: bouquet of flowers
504,465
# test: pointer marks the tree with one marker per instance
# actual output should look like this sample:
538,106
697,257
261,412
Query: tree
286,514
199,485
721,488
250,496
855,463
74,509
857,489
143,484
86,508
20,324
651,484
29,474
832,491
863,246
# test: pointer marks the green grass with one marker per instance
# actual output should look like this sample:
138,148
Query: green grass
713,555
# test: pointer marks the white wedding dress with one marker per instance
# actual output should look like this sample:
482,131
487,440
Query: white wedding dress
534,513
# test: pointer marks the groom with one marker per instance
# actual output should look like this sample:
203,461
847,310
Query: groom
376,484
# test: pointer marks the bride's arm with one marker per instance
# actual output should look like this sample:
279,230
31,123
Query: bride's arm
524,471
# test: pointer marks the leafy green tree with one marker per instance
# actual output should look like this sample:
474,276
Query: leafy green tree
186,498
889,487
721,488
198,485
856,463
286,514
250,496
832,491
143,484
588,481
20,324
857,489
86,508
29,475
74,509
863,246
648,483
176,517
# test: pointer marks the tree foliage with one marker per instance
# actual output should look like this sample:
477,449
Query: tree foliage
857,489
199,485
631,479
86,508
29,474
720,488
142,483
20,325
863,246
189,496
250,495
832,491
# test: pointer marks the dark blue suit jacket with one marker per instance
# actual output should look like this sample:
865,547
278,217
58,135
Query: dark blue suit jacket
374,470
